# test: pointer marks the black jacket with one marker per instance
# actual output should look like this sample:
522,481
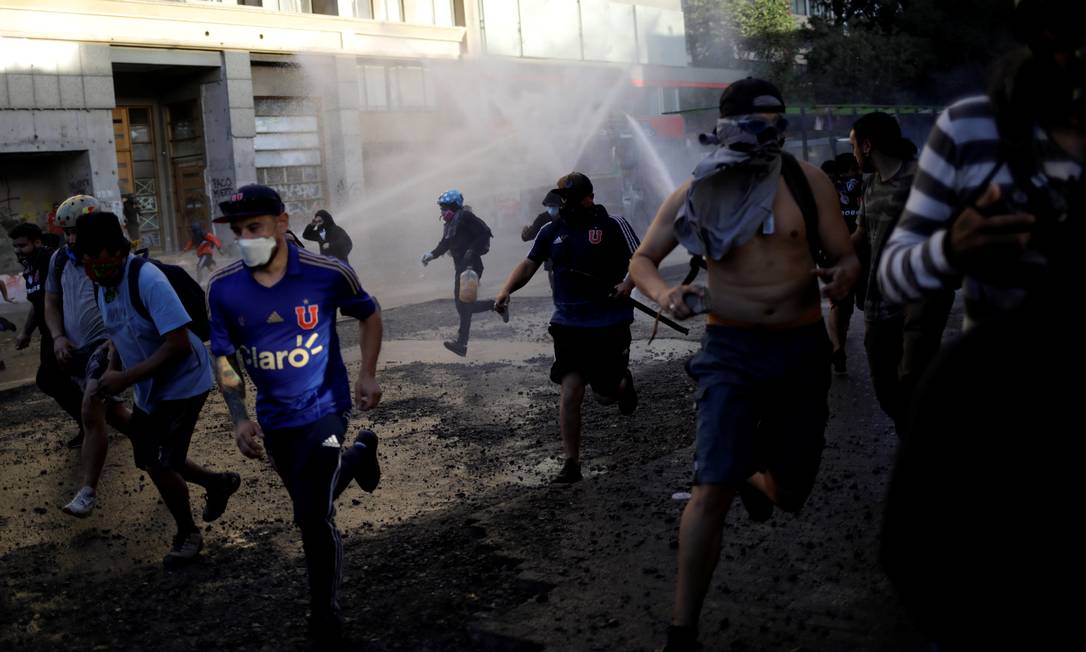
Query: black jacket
466,238
35,271
532,230
335,243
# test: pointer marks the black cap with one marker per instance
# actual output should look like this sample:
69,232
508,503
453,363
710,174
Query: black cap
250,201
552,199
97,231
750,95
573,187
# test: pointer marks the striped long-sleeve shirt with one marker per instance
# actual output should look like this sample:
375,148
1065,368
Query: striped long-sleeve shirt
961,153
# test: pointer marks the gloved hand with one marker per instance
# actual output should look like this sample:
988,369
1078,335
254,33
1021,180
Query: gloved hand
426,258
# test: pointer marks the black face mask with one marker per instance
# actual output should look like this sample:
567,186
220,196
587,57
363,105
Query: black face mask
574,211
28,261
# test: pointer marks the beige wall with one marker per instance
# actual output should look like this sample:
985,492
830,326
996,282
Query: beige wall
222,26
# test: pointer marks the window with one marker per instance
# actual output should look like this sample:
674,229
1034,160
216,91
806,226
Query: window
428,12
325,7
288,151
394,86
374,87
501,27
669,100
363,8
410,86
388,10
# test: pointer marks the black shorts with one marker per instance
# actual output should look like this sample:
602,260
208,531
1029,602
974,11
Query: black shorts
160,440
601,355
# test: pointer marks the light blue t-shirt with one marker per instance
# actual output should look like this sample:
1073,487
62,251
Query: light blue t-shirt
136,338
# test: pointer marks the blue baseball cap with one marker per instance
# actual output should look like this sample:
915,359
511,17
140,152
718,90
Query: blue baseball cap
250,201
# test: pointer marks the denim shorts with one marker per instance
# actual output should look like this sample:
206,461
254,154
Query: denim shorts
761,399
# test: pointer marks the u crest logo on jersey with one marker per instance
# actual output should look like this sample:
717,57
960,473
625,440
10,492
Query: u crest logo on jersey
595,236
307,317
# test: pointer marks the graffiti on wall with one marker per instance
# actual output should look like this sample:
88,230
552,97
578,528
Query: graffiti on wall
222,187
79,187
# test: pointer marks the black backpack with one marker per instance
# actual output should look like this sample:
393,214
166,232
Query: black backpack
485,234
800,188
187,289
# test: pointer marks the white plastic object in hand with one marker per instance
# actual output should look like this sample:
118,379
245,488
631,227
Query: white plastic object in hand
469,286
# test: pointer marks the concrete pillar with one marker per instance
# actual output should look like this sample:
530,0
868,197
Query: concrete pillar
229,128
342,133
58,97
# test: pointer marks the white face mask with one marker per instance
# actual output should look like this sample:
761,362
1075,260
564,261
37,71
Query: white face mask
256,252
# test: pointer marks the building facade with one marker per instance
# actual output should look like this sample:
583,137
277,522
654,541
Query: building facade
176,103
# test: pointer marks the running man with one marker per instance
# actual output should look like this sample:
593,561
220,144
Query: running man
763,372
205,244
466,238
169,369
80,344
274,312
50,379
590,251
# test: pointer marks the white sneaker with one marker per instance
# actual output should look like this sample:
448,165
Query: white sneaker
185,549
83,503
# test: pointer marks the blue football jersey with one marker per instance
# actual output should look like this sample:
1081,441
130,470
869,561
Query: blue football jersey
285,335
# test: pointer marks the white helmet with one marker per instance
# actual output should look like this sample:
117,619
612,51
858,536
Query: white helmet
73,207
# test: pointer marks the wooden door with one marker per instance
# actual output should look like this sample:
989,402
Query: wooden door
125,177
190,198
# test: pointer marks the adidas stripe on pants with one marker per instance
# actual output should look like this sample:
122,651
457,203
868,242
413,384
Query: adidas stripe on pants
307,459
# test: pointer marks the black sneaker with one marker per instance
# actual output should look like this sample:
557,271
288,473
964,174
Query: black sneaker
838,360
758,505
504,313
360,463
186,548
217,497
681,639
75,442
627,401
368,474
570,473
457,348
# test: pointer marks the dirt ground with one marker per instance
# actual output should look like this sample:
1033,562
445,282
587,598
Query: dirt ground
465,545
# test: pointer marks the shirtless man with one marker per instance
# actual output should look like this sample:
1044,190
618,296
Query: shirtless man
763,370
